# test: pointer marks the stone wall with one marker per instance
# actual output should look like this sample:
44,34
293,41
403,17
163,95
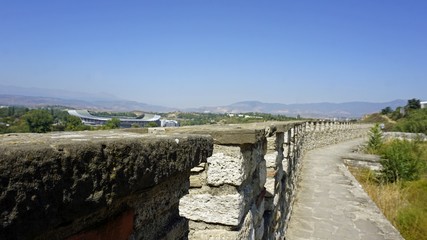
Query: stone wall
96,185
404,136
246,188
133,184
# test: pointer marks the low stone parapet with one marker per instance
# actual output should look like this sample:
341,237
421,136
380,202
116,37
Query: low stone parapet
361,160
96,185
240,179
246,188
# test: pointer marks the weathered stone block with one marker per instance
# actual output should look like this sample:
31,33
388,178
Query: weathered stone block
270,159
225,209
247,231
195,181
228,165
269,186
262,174
214,234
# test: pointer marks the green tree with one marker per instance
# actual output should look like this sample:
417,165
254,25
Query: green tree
413,104
11,111
375,139
112,124
396,115
73,123
38,121
386,111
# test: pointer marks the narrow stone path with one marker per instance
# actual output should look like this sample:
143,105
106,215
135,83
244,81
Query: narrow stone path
330,203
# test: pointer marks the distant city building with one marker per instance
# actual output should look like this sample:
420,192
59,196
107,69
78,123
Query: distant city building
89,119
423,104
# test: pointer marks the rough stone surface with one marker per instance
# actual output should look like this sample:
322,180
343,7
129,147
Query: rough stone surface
50,180
222,134
372,162
223,209
228,165
405,136
215,234
270,159
330,203
245,191
156,210
247,230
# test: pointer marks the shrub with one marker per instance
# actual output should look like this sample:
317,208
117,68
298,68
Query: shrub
401,161
112,124
375,139
38,121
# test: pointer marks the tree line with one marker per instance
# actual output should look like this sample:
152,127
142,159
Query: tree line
21,119
409,118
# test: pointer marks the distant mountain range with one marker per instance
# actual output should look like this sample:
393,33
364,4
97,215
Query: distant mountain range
99,105
55,93
37,97
312,110
105,102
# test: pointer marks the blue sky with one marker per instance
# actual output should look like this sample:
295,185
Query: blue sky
189,53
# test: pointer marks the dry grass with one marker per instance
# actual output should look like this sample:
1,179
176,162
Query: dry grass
390,198
403,203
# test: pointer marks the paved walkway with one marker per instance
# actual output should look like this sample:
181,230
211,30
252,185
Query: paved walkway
330,203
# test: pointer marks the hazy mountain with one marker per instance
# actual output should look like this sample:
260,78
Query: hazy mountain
107,105
36,97
314,110
55,93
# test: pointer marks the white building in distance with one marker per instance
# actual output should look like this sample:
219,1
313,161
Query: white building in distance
89,119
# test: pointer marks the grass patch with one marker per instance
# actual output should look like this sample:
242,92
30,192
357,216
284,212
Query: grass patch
404,201
412,218
390,198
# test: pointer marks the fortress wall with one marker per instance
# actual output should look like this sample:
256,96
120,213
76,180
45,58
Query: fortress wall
130,184
246,188
96,185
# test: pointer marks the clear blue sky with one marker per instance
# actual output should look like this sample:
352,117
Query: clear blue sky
187,53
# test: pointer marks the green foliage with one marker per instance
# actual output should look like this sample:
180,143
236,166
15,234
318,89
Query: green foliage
415,121
374,118
412,219
39,120
412,119
73,123
13,111
375,139
151,124
386,111
402,192
112,124
396,115
19,126
413,104
402,160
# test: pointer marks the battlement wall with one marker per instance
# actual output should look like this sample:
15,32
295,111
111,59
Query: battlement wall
200,182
